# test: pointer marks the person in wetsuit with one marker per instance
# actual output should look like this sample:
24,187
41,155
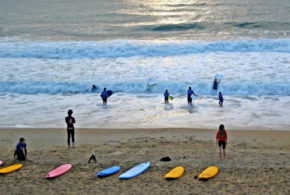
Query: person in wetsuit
221,99
215,84
166,96
21,150
70,121
104,96
94,88
190,92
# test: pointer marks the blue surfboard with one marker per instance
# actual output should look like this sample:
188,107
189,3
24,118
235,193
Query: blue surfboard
109,171
109,92
219,76
137,170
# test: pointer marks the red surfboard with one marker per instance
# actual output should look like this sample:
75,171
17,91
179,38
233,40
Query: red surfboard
58,171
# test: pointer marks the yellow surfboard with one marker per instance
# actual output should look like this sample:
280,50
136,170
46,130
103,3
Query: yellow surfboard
208,173
175,173
10,168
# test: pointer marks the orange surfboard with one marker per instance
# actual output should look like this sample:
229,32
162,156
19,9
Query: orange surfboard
175,173
10,168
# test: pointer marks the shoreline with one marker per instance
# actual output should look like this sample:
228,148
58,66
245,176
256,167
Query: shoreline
125,129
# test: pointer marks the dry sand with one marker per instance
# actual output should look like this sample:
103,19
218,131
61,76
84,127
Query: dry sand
257,161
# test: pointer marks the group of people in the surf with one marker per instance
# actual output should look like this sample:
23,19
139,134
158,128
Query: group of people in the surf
191,93
105,94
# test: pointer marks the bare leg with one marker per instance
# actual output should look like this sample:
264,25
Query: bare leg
73,138
224,153
68,138
220,153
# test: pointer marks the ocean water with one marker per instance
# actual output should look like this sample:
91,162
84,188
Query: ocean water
50,58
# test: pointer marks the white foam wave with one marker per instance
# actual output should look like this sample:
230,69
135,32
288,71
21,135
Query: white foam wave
125,48
201,87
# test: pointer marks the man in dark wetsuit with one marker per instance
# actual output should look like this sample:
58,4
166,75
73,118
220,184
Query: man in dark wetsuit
21,151
221,99
166,96
94,88
190,92
104,96
70,121
215,84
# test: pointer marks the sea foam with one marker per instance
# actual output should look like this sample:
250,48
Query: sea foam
122,48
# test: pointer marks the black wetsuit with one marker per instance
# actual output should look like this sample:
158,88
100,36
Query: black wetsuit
166,95
215,84
190,92
221,99
104,96
70,129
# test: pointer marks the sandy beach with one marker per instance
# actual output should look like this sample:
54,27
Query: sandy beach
57,55
257,161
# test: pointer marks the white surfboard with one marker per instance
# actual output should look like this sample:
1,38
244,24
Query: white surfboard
137,170
219,76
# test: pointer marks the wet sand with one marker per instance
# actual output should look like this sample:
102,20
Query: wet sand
257,161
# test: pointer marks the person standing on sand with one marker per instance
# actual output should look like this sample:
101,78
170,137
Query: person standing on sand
166,96
190,92
21,151
221,141
70,121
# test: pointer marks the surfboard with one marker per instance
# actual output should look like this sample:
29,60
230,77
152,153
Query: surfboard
170,97
109,171
109,92
135,171
58,171
10,168
175,173
219,76
208,173
1,162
